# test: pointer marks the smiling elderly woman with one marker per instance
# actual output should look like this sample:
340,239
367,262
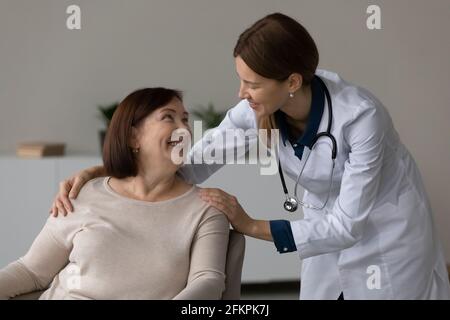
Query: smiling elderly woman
140,233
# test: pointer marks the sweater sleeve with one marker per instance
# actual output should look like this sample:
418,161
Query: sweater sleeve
208,257
46,257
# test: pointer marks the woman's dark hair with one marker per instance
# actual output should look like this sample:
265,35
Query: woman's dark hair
277,46
118,156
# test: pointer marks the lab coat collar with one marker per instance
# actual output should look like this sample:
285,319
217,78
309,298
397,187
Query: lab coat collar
315,116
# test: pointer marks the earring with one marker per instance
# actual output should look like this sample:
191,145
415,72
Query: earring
291,95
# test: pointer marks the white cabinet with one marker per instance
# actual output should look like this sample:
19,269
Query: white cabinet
27,188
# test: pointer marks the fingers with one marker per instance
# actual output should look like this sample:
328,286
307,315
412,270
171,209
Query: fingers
221,196
213,197
68,189
61,208
210,191
221,203
67,204
217,193
54,210
220,206
78,183
62,198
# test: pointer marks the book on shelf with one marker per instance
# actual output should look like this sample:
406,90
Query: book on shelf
40,149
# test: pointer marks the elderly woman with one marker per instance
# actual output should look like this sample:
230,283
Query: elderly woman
139,233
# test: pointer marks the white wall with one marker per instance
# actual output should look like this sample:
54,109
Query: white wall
51,79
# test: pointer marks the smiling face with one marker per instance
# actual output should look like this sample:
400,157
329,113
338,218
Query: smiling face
154,135
264,95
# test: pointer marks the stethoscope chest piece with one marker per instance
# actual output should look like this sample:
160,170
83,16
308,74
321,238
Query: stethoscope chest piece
291,204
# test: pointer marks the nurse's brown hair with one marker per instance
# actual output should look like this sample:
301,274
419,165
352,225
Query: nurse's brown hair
275,47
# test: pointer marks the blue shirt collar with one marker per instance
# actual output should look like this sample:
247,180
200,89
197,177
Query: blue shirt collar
315,116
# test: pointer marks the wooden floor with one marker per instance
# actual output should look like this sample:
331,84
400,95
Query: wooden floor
271,291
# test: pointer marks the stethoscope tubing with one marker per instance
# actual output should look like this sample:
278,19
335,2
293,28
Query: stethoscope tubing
291,203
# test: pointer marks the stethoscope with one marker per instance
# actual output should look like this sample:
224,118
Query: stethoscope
291,203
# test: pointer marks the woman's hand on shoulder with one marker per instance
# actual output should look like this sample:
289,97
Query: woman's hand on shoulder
70,188
229,205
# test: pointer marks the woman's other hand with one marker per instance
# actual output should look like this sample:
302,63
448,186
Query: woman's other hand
229,205
236,215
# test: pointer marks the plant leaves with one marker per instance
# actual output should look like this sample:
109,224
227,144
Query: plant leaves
208,115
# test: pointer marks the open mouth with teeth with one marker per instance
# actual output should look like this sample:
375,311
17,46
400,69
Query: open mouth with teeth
173,143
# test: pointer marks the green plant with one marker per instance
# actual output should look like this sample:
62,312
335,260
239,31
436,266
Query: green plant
208,115
107,111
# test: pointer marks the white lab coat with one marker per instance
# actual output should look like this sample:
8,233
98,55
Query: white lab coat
375,239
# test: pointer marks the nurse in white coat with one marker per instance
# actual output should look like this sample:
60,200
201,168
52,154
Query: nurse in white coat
374,238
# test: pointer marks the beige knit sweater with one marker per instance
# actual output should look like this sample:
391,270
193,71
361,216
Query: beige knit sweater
113,247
